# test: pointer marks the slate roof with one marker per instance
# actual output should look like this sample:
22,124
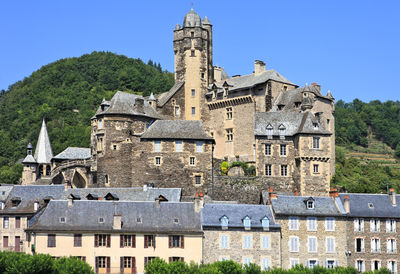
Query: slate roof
5,191
124,103
212,213
84,216
74,153
43,151
191,19
28,195
29,160
296,206
294,123
164,97
251,80
381,205
176,129
129,193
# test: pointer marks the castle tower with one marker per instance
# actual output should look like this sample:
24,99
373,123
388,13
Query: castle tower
30,167
193,62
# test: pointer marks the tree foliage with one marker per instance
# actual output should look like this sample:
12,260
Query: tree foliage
157,266
67,93
15,262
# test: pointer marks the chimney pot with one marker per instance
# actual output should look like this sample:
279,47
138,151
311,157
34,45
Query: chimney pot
117,222
392,195
296,192
347,204
259,67
198,204
333,193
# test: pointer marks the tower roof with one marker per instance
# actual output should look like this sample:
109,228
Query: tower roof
43,152
192,19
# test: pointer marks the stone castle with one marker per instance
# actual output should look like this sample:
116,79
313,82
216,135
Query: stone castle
179,138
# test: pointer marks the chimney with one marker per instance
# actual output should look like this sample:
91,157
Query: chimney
259,67
117,222
99,198
36,205
139,105
157,202
333,193
392,195
198,202
296,192
145,188
1,205
217,74
70,200
271,194
66,186
317,86
347,204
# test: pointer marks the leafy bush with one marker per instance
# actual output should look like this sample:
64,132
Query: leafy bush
224,168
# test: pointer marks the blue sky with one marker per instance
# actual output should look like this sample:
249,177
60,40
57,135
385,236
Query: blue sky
349,47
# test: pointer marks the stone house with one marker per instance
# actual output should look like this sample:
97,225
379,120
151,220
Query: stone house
372,230
118,236
312,230
242,233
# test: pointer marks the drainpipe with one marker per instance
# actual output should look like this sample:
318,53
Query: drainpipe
212,171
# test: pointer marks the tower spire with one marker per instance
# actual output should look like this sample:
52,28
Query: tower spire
43,152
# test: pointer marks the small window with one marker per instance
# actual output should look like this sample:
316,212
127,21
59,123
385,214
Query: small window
157,146
316,126
101,220
268,149
176,220
316,168
315,142
282,131
284,170
192,34
177,111
270,130
114,147
193,111
158,161
224,221
283,150
199,146
247,222
197,180
370,205
229,134
193,93
247,241
224,241
51,240
268,170
62,220
229,113
192,53
202,75
265,222
192,161
310,204
178,146
6,222
139,220
284,88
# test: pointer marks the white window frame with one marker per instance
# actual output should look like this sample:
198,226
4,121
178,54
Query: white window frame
284,170
316,143
294,223
312,223
293,262
294,244
360,267
224,241
312,248
265,242
390,226
199,146
330,224
374,225
178,145
375,245
359,225
192,161
265,263
282,150
247,242
330,245
268,170
157,146
391,245
247,222
268,149
362,245
373,264
247,260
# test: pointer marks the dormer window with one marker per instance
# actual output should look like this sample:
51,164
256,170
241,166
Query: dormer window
62,220
101,220
265,223
15,202
371,205
224,221
176,221
282,131
310,204
280,107
316,126
139,220
270,130
247,222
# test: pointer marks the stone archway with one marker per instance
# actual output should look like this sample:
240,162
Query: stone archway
59,179
78,181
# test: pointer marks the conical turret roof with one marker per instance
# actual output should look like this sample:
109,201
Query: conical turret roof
192,19
43,152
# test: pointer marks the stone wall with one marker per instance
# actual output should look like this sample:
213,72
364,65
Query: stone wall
213,252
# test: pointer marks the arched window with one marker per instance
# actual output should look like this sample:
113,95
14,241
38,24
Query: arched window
224,221
265,222
247,222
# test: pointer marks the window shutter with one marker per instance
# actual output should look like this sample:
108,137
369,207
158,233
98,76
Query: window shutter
388,226
97,263
371,225
108,265
121,264
146,259
83,258
121,241
133,240
169,259
394,245
372,244
133,264
108,241
169,241
388,245
146,243
96,240
182,259
154,244
182,241
362,225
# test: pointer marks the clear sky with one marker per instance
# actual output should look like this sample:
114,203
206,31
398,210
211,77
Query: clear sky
349,47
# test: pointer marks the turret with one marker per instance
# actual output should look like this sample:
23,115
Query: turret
152,101
193,61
